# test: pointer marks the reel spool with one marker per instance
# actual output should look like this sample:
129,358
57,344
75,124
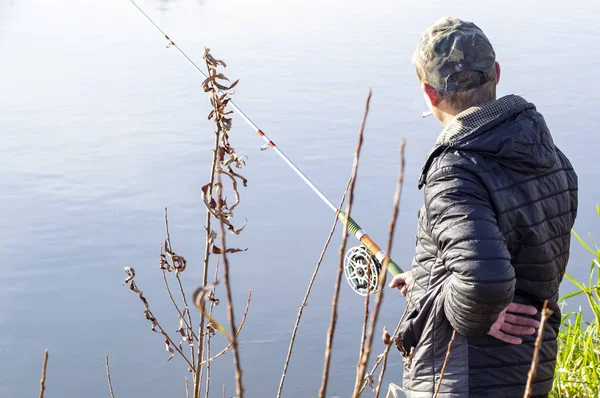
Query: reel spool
361,269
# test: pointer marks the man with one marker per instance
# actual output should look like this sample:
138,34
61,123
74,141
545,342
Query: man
493,235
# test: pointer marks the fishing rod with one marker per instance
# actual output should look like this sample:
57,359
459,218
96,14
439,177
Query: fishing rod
362,264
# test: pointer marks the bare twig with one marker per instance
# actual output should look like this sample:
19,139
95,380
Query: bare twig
189,317
230,314
546,312
186,309
187,388
308,290
439,385
43,379
382,278
207,365
363,337
207,248
110,387
219,100
384,355
176,306
334,304
209,335
239,329
170,344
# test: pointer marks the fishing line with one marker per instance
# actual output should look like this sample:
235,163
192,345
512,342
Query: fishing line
358,259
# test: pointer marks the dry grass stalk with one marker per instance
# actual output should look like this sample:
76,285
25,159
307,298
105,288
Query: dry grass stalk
110,387
178,265
546,312
187,388
308,290
334,303
382,358
43,379
392,389
239,329
363,337
230,315
198,375
156,327
181,315
210,330
224,156
366,351
207,252
439,385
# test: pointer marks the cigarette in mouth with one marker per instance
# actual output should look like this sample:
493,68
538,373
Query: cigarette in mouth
426,114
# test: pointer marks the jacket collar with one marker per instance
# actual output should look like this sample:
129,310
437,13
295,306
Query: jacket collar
476,116
472,120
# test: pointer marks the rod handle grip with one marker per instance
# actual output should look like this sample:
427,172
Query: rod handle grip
366,240
392,267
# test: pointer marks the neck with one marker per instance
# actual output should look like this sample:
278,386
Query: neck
444,116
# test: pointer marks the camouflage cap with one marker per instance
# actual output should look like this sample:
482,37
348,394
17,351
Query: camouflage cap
452,46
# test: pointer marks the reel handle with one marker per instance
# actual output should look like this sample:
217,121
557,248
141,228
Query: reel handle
370,244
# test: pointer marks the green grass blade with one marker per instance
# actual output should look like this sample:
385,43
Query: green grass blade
583,243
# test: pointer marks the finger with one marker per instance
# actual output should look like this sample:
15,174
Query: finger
521,309
404,290
397,281
505,337
514,329
521,321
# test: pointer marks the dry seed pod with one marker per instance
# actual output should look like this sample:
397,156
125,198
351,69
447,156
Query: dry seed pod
387,339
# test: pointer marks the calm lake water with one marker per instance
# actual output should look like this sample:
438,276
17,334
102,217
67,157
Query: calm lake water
102,127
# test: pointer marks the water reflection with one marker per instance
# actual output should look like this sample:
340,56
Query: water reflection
103,128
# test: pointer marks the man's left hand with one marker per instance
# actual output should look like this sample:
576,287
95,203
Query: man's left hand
402,281
508,324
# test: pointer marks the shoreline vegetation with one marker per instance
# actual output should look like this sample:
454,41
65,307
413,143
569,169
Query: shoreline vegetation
578,363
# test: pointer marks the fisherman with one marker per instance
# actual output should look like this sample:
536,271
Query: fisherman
493,235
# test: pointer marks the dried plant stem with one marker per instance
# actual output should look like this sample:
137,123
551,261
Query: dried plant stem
334,303
186,309
175,304
308,290
110,387
207,247
208,337
383,356
363,336
538,344
43,379
187,388
150,316
207,390
382,278
239,329
439,385
161,331
230,314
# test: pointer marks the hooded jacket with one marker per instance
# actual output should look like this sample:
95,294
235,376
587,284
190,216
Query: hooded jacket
500,200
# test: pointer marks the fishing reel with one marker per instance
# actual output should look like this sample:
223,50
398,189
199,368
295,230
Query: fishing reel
362,269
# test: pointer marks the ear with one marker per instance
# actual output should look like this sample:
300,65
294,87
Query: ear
431,93
497,72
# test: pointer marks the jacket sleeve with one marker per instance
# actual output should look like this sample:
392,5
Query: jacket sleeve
463,225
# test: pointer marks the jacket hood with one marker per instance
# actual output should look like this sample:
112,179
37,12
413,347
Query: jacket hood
508,130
